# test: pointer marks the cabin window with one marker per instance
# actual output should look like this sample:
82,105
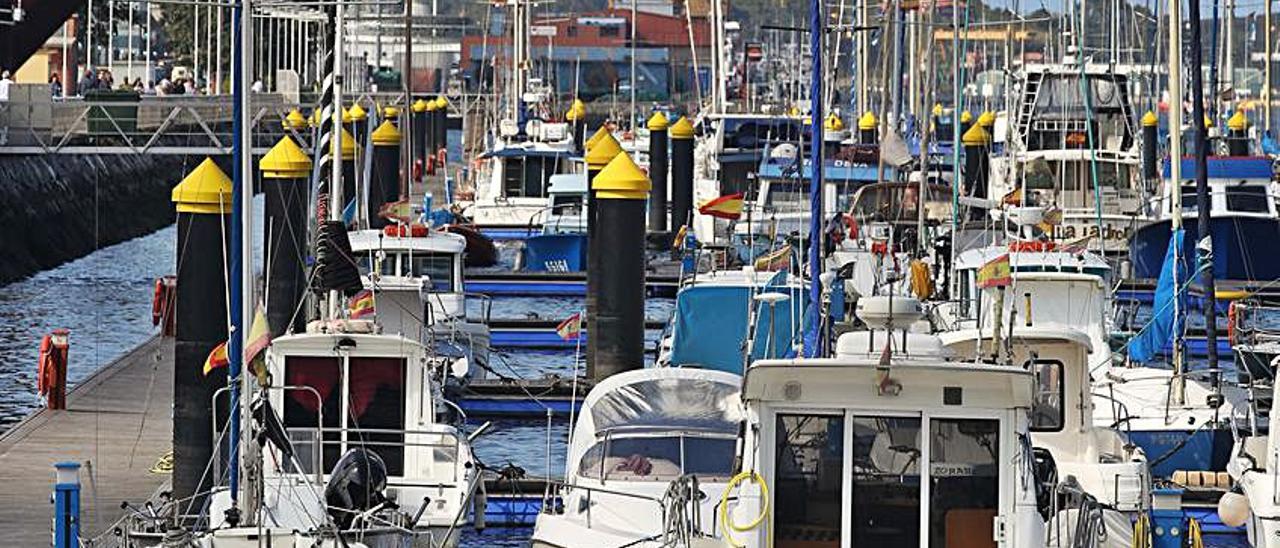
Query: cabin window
1189,198
376,407
527,176
659,458
886,481
303,408
1047,414
787,194
1247,199
964,481
567,204
808,472
370,262
439,268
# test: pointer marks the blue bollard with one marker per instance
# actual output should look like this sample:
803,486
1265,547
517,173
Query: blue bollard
66,505
1168,523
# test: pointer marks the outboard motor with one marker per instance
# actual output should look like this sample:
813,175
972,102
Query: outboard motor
355,485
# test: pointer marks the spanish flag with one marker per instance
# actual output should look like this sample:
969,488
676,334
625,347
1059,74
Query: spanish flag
1013,197
362,304
724,207
571,327
217,358
995,273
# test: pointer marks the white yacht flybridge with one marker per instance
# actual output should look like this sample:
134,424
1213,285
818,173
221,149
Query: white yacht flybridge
1061,138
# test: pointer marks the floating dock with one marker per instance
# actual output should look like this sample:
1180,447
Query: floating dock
117,426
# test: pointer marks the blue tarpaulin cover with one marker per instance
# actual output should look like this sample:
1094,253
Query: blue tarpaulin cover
711,325
1164,324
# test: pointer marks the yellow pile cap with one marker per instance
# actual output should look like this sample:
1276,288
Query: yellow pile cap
682,129
595,137
357,112
867,121
387,134
419,106
286,160
965,117
602,152
205,190
441,102
295,120
987,119
976,135
657,122
833,123
390,112
1237,121
1150,120
937,109
621,179
348,145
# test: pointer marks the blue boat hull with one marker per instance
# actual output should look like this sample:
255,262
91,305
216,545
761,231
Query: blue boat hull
554,253
1207,449
1241,247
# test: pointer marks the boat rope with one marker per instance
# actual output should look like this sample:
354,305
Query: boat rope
731,526
1181,290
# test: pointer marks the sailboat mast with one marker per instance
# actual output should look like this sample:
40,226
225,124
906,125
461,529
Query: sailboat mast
1266,71
336,199
242,390
1204,233
1175,179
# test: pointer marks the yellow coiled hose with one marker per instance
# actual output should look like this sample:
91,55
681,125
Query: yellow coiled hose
727,522
1142,532
1193,531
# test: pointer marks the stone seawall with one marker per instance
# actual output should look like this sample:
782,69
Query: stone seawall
56,208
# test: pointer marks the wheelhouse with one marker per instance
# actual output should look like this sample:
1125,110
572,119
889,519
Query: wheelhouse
417,278
848,463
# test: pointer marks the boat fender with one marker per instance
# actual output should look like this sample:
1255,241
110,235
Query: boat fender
727,522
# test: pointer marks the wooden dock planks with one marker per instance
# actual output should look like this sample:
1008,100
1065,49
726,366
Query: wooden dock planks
117,425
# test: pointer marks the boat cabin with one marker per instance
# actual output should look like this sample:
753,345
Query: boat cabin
917,453
416,274
1238,187
567,209
392,408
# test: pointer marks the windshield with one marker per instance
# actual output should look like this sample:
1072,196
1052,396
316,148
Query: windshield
901,203
665,404
438,268
659,458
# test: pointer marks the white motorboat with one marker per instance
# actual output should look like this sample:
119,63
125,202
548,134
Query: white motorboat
649,456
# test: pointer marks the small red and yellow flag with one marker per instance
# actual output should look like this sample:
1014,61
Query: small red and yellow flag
362,304
995,273
571,327
724,207
217,358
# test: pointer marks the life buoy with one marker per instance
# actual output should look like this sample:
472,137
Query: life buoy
157,303
415,230
46,374
1031,246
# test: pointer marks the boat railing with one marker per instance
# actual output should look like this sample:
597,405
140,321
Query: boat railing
444,445
546,211
564,487
218,455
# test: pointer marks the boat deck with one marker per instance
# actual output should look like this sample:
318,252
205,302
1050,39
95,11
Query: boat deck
117,426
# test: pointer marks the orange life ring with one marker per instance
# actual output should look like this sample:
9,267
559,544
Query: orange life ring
415,230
